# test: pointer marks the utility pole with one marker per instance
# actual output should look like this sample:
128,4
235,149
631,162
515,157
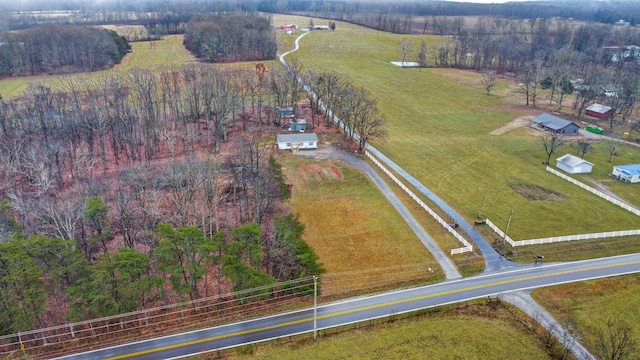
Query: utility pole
315,307
504,239
481,205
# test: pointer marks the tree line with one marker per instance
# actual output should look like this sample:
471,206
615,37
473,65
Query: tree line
227,38
55,49
114,186
599,63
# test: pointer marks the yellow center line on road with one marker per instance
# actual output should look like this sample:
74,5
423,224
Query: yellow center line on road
365,308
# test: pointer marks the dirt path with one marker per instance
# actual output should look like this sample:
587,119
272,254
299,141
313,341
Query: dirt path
517,123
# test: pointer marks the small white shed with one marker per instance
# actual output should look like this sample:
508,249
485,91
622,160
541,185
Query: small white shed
573,164
627,173
297,141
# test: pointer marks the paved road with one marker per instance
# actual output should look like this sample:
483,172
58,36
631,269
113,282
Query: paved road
523,301
371,307
492,259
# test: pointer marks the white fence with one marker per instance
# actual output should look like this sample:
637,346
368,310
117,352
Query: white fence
554,239
596,192
467,246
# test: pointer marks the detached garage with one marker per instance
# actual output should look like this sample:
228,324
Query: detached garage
296,142
627,173
573,164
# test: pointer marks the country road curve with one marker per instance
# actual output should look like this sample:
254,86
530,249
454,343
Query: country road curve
360,309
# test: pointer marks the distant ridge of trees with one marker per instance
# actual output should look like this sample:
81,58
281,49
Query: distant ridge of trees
225,38
60,49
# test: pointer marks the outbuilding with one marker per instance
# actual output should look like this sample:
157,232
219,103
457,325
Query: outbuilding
573,164
556,125
298,125
296,142
599,111
627,173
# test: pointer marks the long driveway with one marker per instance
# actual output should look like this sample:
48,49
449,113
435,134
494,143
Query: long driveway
493,260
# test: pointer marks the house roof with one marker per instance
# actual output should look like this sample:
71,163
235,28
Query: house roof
297,137
572,161
599,108
629,170
552,122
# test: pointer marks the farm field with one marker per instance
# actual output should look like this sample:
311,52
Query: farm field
167,52
361,240
439,125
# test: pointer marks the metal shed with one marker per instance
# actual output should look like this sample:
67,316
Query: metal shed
573,164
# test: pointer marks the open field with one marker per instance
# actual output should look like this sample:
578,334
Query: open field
591,304
439,124
352,227
167,52
426,336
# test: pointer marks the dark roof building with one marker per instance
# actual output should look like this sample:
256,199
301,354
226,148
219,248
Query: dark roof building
556,125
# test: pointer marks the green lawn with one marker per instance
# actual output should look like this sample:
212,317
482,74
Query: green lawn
480,333
353,229
439,122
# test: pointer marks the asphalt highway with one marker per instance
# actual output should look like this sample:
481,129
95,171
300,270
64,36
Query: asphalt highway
369,307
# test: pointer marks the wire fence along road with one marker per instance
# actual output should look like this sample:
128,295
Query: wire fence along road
467,246
367,308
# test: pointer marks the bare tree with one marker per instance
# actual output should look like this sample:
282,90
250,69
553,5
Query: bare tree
616,341
582,147
368,123
551,143
422,54
405,46
569,338
488,81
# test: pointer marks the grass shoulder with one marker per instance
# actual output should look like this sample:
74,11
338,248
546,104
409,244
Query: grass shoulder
481,330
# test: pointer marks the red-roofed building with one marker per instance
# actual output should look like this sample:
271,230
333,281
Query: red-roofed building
599,111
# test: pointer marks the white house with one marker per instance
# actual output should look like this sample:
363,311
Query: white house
297,141
573,164
627,173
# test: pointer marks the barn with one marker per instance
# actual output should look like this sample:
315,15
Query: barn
573,164
627,173
556,125
599,111
296,142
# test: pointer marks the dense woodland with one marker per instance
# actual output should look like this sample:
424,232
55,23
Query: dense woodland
55,49
228,38
147,187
